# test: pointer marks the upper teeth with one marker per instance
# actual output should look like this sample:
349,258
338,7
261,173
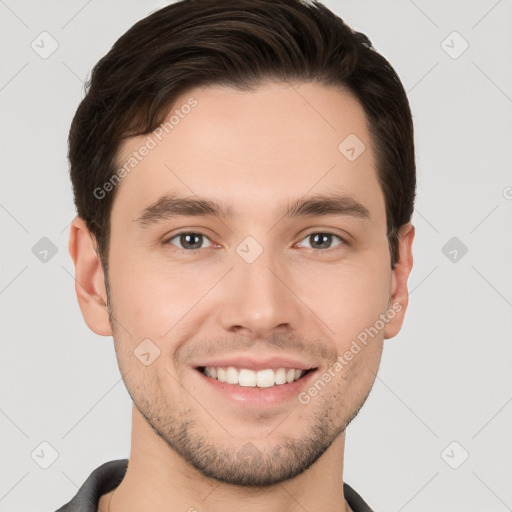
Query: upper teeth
261,378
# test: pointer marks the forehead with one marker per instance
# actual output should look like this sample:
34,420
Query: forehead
250,149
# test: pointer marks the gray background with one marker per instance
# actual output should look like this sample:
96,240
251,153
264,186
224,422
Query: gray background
445,378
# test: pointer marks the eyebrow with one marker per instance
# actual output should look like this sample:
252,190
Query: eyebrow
171,206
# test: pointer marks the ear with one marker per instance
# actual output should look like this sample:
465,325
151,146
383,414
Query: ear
399,293
89,278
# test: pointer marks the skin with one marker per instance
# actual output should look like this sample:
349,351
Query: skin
255,151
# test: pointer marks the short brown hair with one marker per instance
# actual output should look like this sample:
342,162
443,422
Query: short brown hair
238,43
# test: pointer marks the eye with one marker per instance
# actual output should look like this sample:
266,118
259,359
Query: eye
321,240
189,240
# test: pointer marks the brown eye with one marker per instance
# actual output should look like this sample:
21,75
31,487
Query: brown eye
189,241
321,240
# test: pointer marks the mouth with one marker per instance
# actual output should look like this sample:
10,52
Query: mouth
247,378
241,390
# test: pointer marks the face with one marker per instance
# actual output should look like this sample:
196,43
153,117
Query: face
309,287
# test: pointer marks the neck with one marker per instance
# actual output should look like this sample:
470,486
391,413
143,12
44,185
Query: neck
157,476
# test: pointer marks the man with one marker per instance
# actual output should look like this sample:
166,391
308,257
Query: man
244,177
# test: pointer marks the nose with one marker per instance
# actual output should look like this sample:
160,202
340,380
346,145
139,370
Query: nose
258,298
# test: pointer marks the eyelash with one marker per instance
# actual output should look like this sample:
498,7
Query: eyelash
167,241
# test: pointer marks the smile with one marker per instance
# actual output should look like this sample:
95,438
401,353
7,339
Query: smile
249,378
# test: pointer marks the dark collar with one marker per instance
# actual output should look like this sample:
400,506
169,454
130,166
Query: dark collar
109,475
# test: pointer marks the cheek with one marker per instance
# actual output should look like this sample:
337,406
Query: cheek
151,297
348,298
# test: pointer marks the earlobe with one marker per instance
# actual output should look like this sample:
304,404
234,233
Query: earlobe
89,278
399,294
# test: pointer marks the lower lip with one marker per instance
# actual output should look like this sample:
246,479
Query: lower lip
258,397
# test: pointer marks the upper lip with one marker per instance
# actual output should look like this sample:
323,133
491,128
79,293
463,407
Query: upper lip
252,363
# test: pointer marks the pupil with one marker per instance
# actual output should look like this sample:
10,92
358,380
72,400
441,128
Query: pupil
324,236
185,239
